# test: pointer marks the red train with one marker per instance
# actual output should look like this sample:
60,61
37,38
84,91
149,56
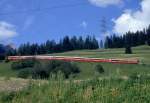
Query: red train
76,59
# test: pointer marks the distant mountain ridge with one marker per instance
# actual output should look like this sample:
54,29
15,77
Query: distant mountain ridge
5,48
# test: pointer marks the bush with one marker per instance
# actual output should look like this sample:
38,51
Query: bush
67,69
22,64
6,60
128,50
99,69
8,97
133,76
2,57
25,73
16,66
43,70
148,42
40,72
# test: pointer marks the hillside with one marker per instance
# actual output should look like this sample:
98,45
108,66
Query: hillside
118,83
140,52
87,69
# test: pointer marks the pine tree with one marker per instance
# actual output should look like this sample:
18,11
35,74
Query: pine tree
2,52
128,50
81,43
74,43
67,44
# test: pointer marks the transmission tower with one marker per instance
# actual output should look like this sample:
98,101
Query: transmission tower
103,26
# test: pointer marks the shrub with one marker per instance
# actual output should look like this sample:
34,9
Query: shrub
128,50
67,69
16,66
43,70
2,57
133,76
8,97
22,64
148,42
40,72
99,69
24,73
6,60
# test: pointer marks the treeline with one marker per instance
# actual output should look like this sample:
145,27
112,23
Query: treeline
65,44
2,52
78,43
51,46
129,39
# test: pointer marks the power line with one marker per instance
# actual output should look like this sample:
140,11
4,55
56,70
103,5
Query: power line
39,9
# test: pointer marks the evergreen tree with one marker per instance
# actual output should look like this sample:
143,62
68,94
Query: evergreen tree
74,43
148,35
94,43
130,38
81,43
128,50
2,52
65,44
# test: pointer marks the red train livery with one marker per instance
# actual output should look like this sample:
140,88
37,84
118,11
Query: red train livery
76,59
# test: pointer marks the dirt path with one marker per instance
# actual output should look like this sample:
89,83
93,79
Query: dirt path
12,84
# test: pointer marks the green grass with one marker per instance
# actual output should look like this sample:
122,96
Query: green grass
141,52
111,70
120,83
87,69
93,91
6,71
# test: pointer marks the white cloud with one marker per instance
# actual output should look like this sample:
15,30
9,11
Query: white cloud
133,20
105,3
7,30
84,24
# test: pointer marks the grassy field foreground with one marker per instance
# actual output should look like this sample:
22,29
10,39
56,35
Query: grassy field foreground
132,90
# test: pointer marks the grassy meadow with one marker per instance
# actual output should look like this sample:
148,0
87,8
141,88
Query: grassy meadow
87,69
119,83
132,90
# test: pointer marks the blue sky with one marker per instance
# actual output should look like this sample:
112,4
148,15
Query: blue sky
29,21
